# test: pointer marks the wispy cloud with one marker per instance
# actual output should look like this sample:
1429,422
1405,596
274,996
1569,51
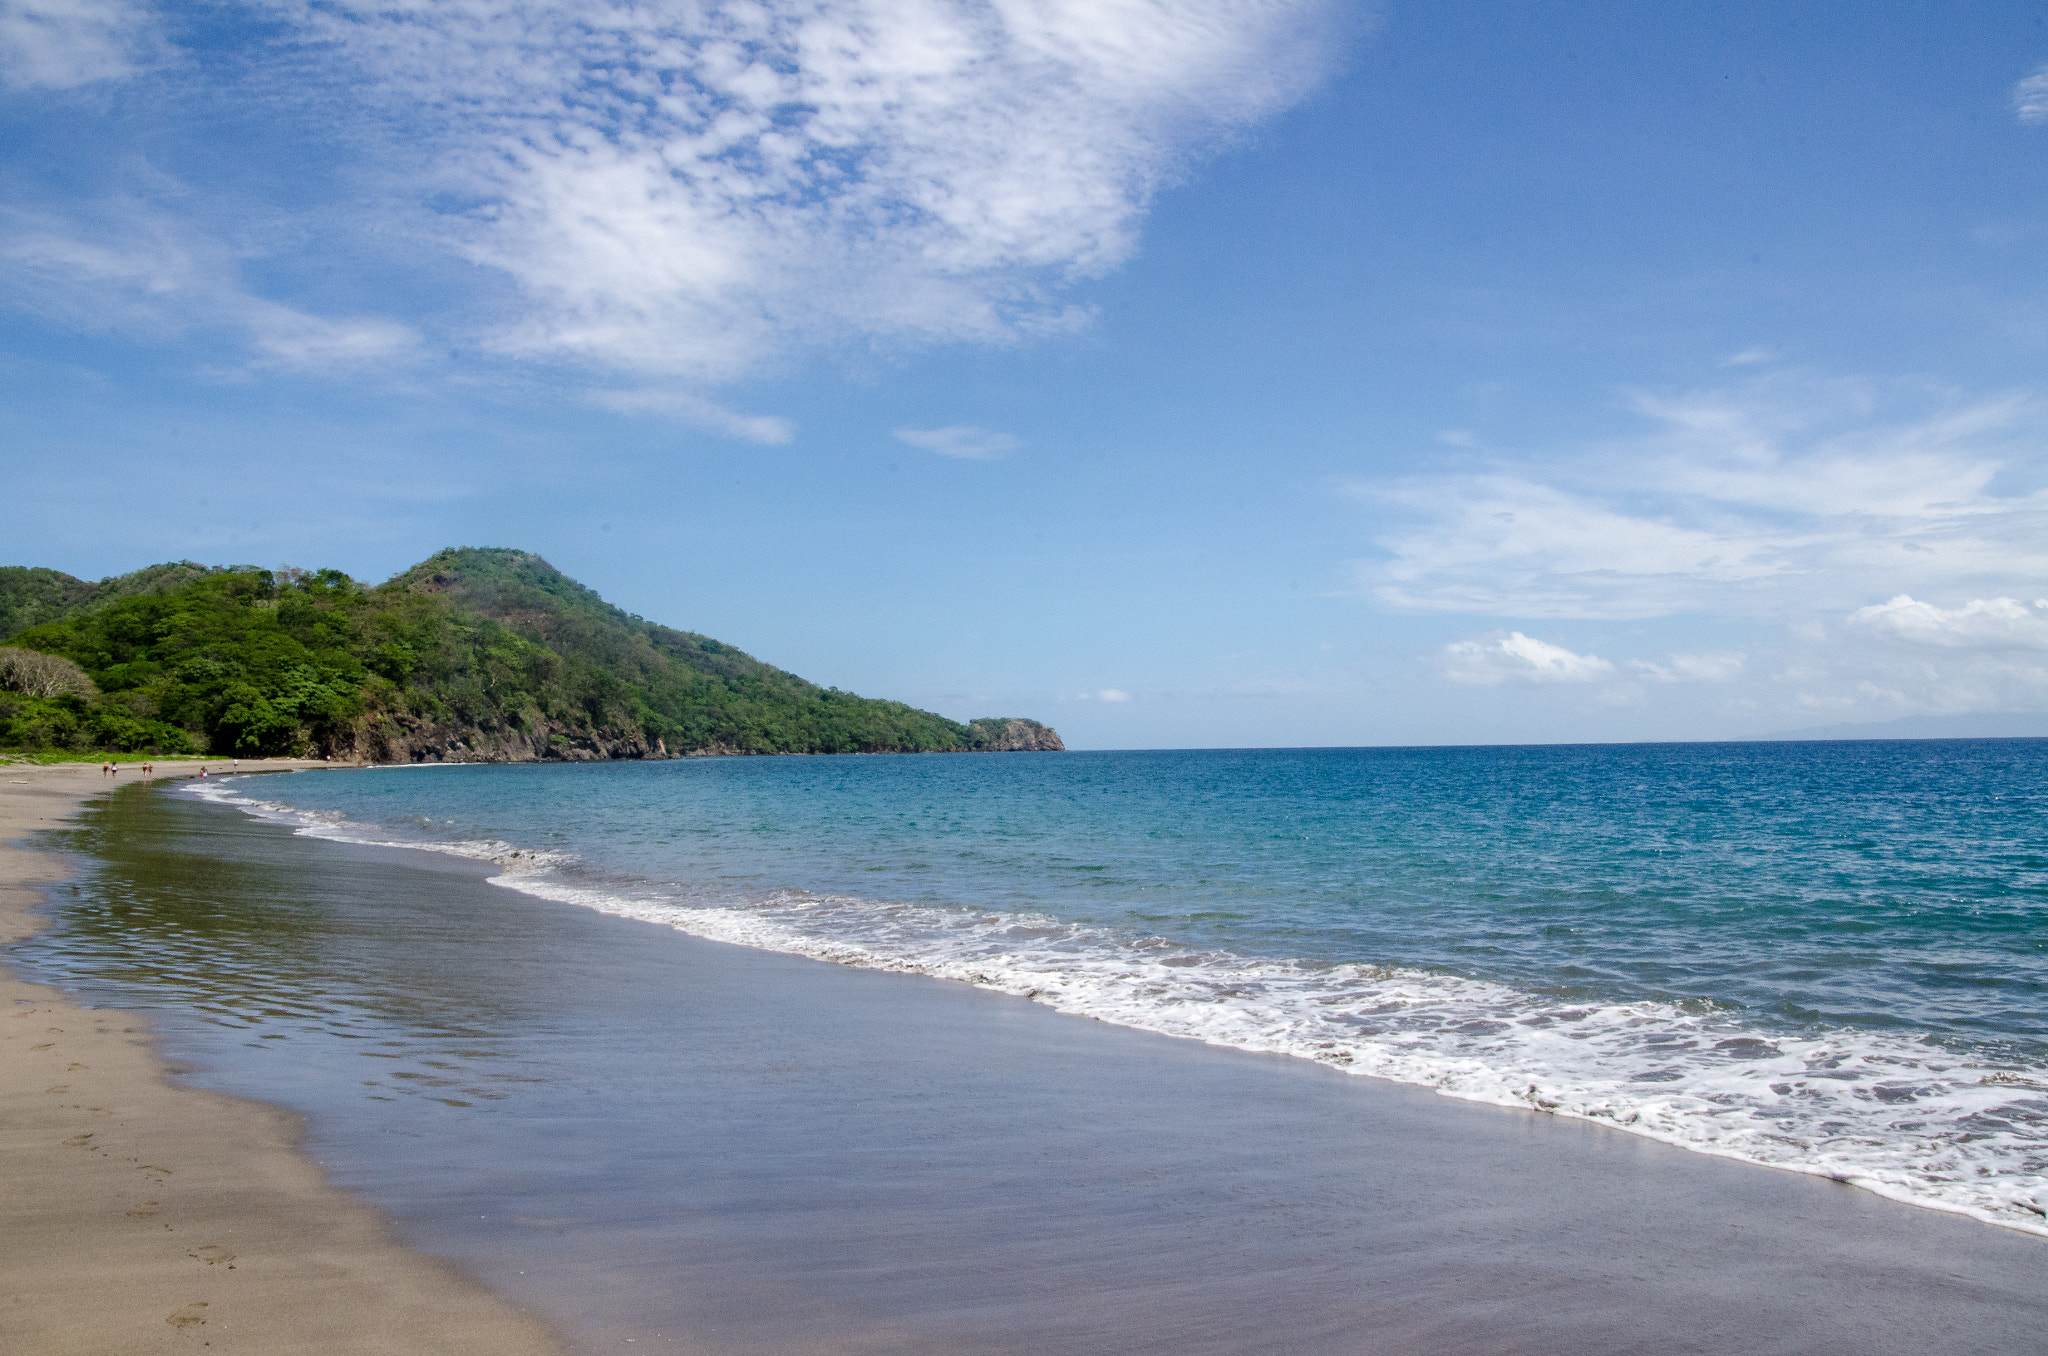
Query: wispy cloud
688,190
2030,97
691,408
1698,667
133,270
1780,497
60,44
961,440
1107,694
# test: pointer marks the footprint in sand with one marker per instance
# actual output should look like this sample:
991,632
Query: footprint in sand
78,1141
61,1087
211,1254
147,1210
189,1315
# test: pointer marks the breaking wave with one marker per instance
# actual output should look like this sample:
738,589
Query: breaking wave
1919,1119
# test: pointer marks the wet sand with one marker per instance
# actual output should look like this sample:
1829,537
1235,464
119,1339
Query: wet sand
698,1147
138,1215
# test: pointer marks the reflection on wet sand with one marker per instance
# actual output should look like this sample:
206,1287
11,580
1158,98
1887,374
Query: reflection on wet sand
647,1136
182,908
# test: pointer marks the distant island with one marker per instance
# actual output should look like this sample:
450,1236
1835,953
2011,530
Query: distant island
473,655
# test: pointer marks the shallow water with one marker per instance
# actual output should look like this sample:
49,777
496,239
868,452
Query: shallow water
1832,957
705,1147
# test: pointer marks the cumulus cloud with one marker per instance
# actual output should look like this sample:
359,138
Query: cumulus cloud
687,188
1907,656
1768,500
1980,624
2030,97
961,440
59,44
1511,657
1515,658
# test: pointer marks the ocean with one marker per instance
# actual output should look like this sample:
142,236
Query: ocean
1825,957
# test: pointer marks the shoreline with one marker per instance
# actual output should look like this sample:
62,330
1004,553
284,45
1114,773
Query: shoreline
141,1215
696,1145
1277,1011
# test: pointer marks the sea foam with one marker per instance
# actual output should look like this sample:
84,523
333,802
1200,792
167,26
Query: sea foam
1909,1118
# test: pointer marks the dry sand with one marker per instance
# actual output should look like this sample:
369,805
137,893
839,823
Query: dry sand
137,1215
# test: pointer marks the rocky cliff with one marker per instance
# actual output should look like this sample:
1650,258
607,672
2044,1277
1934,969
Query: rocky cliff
1012,734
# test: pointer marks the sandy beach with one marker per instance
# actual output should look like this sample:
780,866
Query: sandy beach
142,1216
691,1146
642,1136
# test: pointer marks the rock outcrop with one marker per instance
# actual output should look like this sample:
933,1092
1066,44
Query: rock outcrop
404,739
1012,734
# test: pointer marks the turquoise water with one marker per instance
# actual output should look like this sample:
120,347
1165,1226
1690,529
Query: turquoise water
1827,957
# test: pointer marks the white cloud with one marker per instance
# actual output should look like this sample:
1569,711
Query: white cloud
1906,657
1516,658
284,337
133,271
1108,694
1774,499
2030,97
59,44
1512,657
754,428
1509,546
1980,624
688,188
961,440
1701,667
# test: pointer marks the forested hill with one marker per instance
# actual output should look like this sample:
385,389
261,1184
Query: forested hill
472,655
30,595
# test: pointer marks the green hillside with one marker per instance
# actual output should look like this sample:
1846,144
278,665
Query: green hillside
484,655
31,595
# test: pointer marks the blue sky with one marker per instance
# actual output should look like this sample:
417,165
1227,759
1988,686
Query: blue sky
1227,372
